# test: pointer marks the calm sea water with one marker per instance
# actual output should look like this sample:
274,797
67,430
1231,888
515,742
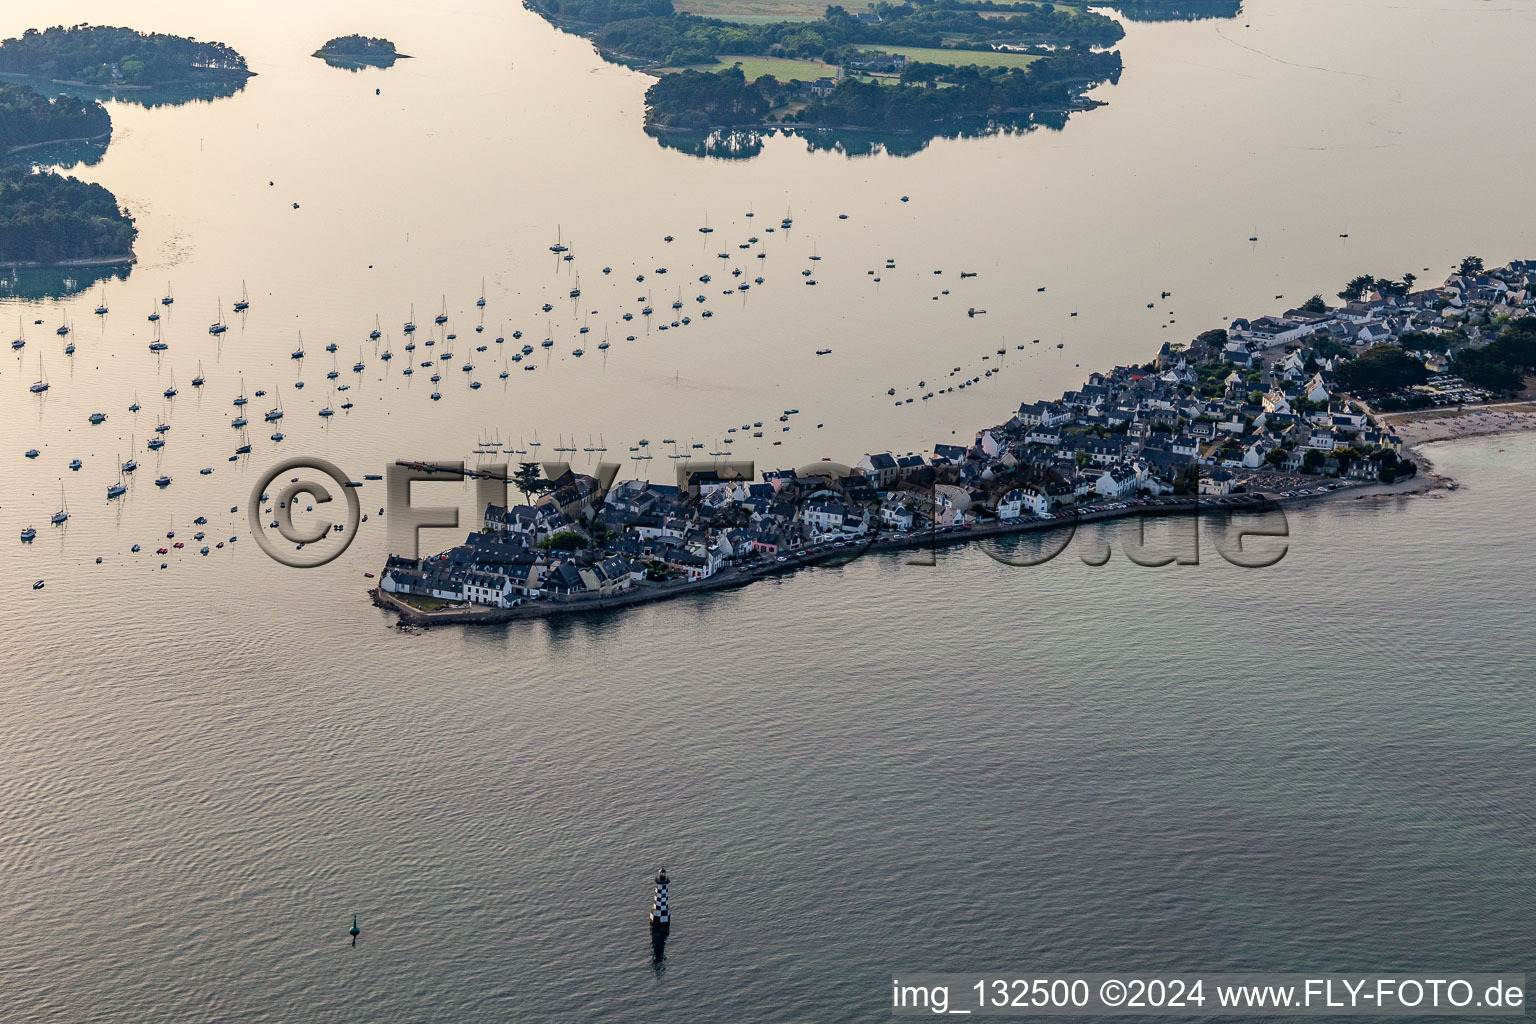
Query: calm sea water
851,772
206,770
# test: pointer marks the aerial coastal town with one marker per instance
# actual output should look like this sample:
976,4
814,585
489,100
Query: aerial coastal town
1272,409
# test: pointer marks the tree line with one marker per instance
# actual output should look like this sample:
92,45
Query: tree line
359,46
28,117
50,218
1499,367
104,55
929,95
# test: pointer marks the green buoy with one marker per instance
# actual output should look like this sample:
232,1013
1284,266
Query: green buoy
355,931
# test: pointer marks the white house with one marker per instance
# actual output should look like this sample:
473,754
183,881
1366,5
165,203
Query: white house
1218,483
1021,501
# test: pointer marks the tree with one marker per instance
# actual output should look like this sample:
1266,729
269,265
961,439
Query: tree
530,480
1276,456
1358,288
1312,460
1471,266
1314,305
1381,371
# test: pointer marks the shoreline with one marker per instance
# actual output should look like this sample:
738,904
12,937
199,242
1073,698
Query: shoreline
1521,418
107,135
360,58
86,261
1422,428
653,129
409,616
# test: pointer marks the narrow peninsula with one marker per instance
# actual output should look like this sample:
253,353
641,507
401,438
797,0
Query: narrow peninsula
105,57
1264,413
29,119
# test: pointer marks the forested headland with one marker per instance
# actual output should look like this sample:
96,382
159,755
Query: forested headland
48,218
28,118
106,57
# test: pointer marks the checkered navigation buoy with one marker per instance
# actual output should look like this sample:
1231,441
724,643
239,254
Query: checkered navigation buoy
661,920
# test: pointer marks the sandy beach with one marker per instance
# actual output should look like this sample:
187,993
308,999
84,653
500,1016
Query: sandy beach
1418,429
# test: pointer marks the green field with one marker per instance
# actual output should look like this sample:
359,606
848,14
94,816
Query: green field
782,68
1068,8
756,10
958,58
764,19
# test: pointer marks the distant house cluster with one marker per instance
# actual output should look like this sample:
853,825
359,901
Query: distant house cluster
1253,408
1468,309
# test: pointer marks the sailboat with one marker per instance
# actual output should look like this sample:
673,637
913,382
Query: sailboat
377,332
119,488
218,327
276,412
442,317
63,328
328,411
154,315
42,378
131,464
559,246
158,345
603,345
386,355
197,381
170,392
101,307
576,289
63,513
410,323
21,337
245,300
706,229
481,300
169,298
240,399
357,367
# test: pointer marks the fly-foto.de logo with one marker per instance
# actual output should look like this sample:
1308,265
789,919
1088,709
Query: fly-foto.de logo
823,513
